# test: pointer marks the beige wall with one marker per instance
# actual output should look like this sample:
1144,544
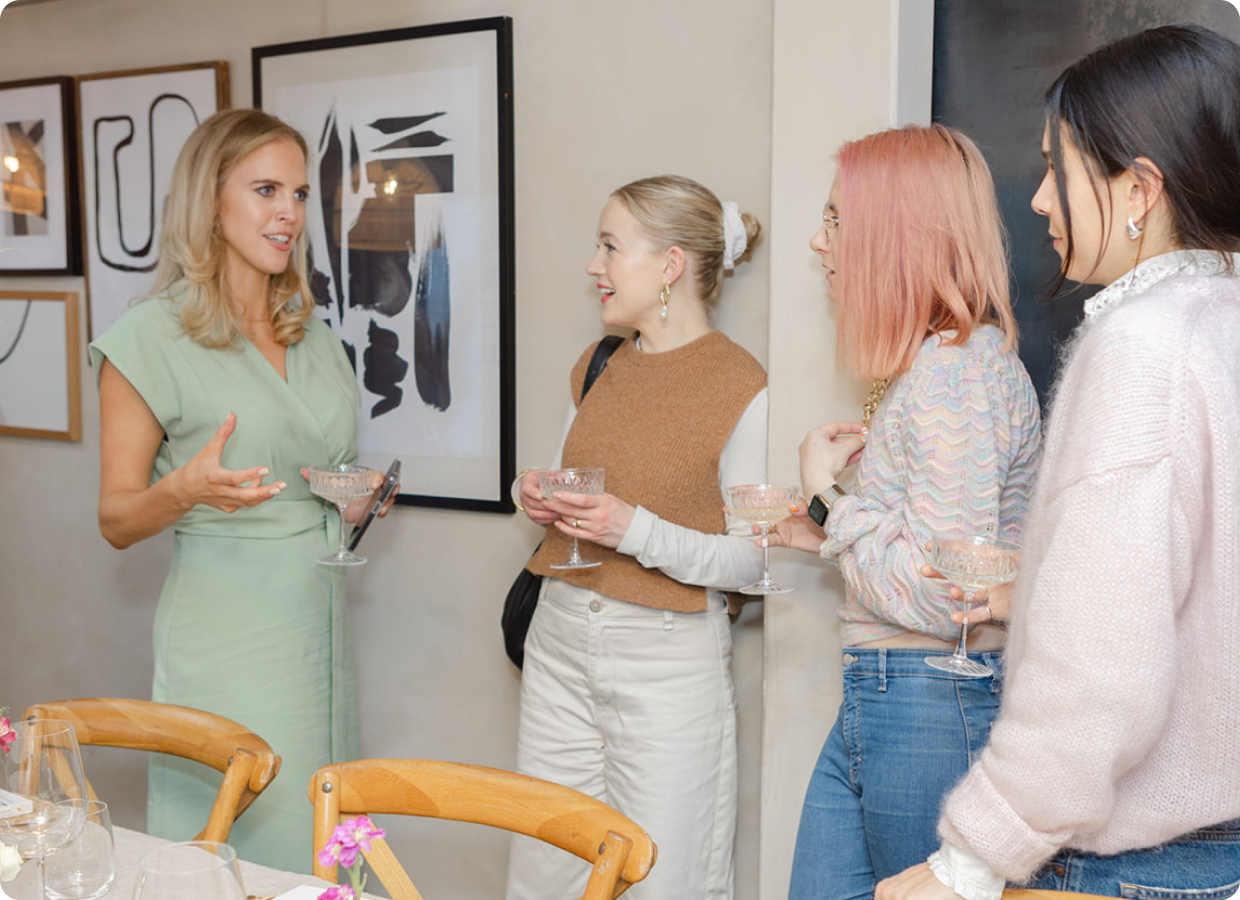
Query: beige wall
748,96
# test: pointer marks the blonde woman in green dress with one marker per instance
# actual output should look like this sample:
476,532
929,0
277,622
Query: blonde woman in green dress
214,393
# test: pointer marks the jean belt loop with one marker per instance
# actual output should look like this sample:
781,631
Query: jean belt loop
882,669
995,661
669,619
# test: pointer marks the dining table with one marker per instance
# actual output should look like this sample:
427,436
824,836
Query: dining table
260,881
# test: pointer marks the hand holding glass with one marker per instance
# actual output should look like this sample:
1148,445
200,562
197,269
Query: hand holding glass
972,563
341,485
575,481
42,768
763,505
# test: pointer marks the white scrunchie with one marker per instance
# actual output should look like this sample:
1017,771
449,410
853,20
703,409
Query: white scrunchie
735,237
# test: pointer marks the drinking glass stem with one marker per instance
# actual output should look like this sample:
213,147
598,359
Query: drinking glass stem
576,557
766,555
340,550
964,626
41,881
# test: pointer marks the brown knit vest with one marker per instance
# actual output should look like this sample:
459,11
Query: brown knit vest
656,422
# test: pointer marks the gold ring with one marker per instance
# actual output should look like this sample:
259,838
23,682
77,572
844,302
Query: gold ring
576,523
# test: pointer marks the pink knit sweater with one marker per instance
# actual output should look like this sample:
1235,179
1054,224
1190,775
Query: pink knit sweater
1120,726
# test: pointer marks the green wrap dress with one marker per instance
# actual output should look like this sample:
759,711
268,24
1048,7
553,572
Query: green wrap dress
249,625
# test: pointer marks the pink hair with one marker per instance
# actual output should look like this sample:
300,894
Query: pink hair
920,247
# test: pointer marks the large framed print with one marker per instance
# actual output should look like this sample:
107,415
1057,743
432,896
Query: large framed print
40,371
410,226
38,179
133,125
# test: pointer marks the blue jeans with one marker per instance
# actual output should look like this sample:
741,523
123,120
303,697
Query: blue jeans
905,734
1203,865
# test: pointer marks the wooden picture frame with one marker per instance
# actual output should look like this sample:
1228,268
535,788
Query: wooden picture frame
410,223
39,214
132,126
40,365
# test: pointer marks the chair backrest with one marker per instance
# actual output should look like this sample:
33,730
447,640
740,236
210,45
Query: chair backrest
247,761
620,852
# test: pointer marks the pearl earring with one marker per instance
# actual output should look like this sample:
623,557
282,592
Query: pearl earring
664,296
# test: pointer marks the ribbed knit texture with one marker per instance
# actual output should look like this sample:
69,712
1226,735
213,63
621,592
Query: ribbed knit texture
1120,726
953,449
657,423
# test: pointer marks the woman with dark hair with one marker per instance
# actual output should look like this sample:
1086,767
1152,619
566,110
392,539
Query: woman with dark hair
214,393
1112,768
627,689
917,270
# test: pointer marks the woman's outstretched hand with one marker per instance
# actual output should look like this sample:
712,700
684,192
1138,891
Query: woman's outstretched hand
204,481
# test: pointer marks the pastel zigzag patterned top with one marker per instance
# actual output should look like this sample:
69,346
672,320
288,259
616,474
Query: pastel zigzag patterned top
953,448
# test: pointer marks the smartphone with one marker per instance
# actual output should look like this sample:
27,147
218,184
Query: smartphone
390,480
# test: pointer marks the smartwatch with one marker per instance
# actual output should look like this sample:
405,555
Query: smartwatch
820,504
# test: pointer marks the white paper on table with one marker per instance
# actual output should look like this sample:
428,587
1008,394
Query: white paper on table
302,892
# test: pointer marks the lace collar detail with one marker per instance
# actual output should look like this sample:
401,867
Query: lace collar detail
1153,271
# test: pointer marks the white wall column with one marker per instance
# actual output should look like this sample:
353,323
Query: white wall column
842,69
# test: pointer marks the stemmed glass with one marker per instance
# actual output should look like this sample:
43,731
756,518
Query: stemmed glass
341,485
193,870
83,869
42,768
763,505
575,481
972,563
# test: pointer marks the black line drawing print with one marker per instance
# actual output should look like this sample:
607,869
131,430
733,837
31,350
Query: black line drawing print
20,329
116,213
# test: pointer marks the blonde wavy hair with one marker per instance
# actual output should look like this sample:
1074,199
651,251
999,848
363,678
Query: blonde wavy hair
675,211
192,249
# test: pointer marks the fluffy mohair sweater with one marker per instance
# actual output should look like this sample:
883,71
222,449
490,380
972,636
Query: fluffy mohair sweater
1120,726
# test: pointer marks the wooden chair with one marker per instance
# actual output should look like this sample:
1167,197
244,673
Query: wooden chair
247,761
620,852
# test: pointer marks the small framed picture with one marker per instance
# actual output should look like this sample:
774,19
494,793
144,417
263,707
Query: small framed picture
40,371
38,179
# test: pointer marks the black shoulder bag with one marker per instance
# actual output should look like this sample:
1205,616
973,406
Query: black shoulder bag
523,595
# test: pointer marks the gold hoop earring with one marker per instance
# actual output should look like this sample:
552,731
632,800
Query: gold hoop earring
664,296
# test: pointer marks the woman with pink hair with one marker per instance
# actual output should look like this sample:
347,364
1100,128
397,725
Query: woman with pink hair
947,443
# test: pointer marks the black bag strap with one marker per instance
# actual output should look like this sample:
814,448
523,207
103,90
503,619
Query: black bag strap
598,362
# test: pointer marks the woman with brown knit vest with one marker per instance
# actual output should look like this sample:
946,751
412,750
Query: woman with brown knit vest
627,690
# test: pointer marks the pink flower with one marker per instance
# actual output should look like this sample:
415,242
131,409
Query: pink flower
343,846
8,735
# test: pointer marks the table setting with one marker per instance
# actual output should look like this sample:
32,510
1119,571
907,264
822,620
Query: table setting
57,844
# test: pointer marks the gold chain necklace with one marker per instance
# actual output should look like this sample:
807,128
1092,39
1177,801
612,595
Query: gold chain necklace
875,397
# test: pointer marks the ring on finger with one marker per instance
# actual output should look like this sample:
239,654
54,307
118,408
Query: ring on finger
576,523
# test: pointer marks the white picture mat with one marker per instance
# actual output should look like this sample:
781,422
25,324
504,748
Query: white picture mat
40,251
34,384
119,223
454,453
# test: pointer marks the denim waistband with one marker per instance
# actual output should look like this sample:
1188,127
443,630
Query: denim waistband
891,662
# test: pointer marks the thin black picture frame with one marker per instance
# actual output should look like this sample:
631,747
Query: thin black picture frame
447,480
63,246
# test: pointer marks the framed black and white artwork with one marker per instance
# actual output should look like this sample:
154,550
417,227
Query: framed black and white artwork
40,371
133,124
38,179
410,227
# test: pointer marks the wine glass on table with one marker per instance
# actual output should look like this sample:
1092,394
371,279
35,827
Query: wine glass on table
971,563
341,485
42,768
193,870
575,481
763,505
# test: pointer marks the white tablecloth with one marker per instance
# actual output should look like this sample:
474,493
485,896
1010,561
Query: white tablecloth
130,845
